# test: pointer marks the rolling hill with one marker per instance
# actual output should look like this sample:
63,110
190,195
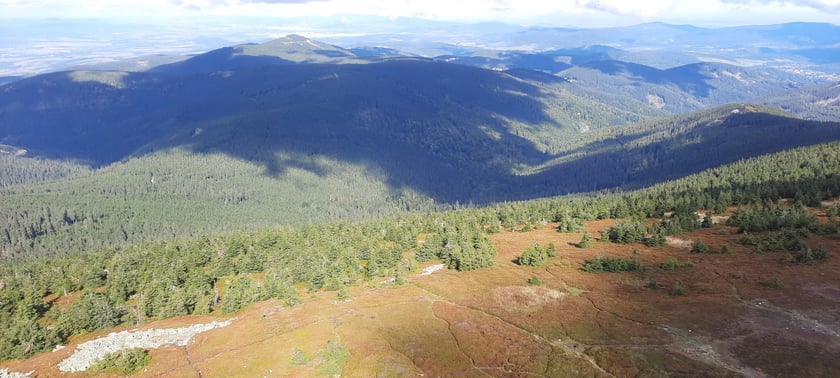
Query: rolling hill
684,88
818,102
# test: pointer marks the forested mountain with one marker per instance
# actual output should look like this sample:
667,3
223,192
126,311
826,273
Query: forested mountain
255,136
675,88
248,173
663,149
683,88
8,79
19,170
818,102
105,116
287,50
664,36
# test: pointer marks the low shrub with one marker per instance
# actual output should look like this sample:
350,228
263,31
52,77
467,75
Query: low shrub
533,256
534,281
678,289
672,264
807,255
699,247
775,283
610,264
126,361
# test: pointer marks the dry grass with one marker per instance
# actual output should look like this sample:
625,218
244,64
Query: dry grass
490,322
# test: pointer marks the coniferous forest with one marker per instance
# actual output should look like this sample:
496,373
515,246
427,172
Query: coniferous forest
179,276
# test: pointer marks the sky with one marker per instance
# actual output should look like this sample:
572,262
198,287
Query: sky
39,36
577,13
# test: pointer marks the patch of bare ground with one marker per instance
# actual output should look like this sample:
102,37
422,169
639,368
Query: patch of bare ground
740,314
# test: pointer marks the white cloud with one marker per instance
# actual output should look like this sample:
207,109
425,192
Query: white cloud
824,5
708,11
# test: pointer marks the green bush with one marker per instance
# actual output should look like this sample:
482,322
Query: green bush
534,281
807,255
429,250
678,289
585,241
533,256
748,239
610,264
775,283
626,232
771,217
240,293
126,361
787,240
299,358
551,250
466,250
672,264
833,211
656,238
698,247
332,358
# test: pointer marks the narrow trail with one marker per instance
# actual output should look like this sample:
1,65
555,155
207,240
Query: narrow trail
622,317
401,353
458,342
190,362
686,344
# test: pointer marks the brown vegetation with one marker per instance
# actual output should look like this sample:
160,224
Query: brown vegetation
728,322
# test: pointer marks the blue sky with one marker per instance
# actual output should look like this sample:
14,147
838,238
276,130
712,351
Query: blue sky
527,12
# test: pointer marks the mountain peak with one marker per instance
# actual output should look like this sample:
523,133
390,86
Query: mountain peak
294,37
298,48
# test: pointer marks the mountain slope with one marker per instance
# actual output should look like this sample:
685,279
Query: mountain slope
53,299
683,88
665,149
296,143
818,102
264,169
105,116
290,49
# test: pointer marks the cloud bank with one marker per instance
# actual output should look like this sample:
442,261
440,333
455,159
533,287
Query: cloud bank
522,11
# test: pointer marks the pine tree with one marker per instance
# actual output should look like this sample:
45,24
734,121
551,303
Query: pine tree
585,241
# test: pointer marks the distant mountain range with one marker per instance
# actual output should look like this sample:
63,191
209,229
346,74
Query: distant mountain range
431,125
806,47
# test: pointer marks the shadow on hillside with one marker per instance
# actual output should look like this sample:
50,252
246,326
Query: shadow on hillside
437,128
440,129
226,58
691,78
646,158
